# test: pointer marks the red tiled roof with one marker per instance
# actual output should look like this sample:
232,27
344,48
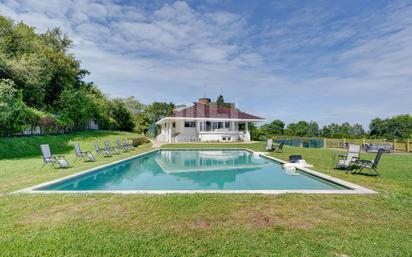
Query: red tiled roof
199,110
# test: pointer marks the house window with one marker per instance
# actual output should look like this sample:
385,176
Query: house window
226,138
174,124
207,126
190,124
227,124
217,125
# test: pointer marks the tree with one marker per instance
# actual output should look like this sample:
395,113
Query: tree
312,129
122,115
357,131
38,64
51,80
76,108
56,40
274,128
12,109
344,130
376,128
326,131
299,129
397,127
159,110
133,105
142,123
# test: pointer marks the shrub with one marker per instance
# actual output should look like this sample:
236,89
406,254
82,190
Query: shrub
12,109
140,141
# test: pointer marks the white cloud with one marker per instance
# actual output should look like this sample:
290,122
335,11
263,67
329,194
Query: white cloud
309,64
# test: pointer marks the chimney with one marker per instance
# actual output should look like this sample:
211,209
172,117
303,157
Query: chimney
204,100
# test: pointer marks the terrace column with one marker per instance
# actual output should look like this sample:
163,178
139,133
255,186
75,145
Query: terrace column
197,130
247,134
169,129
166,133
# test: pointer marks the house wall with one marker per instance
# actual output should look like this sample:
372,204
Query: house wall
213,137
188,131
161,137
179,126
180,133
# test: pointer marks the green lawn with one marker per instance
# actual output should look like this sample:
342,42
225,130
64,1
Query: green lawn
20,158
200,224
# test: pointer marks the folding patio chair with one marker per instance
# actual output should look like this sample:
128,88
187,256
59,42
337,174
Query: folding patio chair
83,155
47,156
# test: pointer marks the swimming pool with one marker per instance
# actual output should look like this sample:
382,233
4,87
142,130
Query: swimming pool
194,171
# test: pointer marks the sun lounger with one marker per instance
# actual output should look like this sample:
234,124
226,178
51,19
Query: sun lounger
367,167
119,146
278,148
127,146
108,148
348,159
102,151
47,156
83,155
269,145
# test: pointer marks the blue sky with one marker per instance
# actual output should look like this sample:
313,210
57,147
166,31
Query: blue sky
329,61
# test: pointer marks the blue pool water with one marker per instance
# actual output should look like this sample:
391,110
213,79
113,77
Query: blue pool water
195,170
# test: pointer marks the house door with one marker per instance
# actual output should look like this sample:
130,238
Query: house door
208,126
242,127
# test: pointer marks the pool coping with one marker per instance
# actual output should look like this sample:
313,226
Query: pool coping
352,188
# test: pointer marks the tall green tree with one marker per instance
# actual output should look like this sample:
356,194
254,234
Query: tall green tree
159,110
51,81
273,128
299,129
357,131
313,129
397,127
344,130
133,105
122,115
12,109
76,108
142,123
37,63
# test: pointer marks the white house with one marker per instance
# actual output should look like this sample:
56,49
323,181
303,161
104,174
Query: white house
206,121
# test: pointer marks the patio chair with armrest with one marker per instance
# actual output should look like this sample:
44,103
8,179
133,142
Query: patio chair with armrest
54,160
346,160
360,166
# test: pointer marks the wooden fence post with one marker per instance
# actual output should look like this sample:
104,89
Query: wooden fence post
394,144
324,142
407,146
